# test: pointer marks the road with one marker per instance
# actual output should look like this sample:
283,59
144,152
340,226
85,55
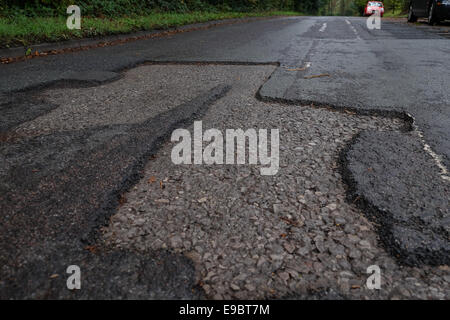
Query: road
87,179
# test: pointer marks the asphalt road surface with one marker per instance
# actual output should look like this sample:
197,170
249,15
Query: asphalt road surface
86,176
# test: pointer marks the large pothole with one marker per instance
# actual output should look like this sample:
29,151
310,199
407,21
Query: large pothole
254,236
249,236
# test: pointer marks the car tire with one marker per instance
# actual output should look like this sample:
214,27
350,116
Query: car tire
431,15
411,16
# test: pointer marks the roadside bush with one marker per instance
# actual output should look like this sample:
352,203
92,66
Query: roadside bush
115,8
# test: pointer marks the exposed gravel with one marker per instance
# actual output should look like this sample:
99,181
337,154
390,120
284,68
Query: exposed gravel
292,235
252,236
130,100
62,177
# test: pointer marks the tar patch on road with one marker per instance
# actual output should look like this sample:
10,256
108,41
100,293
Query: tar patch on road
104,275
399,187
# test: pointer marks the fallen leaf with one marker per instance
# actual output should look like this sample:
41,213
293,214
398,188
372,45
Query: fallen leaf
152,179
289,221
122,200
92,249
444,268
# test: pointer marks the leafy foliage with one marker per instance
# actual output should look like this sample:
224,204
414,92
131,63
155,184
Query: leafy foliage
120,8
115,8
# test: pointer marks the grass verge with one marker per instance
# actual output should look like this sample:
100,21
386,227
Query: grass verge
397,14
25,31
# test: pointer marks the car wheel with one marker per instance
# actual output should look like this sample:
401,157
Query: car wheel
431,15
411,16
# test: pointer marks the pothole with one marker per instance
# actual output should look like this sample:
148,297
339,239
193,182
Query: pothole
250,236
263,237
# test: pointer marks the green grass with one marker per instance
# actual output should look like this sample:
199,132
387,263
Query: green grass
396,14
25,31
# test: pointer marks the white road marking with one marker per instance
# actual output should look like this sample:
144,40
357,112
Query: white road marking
353,29
445,175
324,26
294,68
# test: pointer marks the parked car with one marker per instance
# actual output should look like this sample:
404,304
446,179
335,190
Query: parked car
434,10
372,7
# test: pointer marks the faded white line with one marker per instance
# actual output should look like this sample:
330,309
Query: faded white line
353,29
437,158
324,26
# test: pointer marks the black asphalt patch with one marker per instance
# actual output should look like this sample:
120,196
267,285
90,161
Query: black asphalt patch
19,108
409,205
104,275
